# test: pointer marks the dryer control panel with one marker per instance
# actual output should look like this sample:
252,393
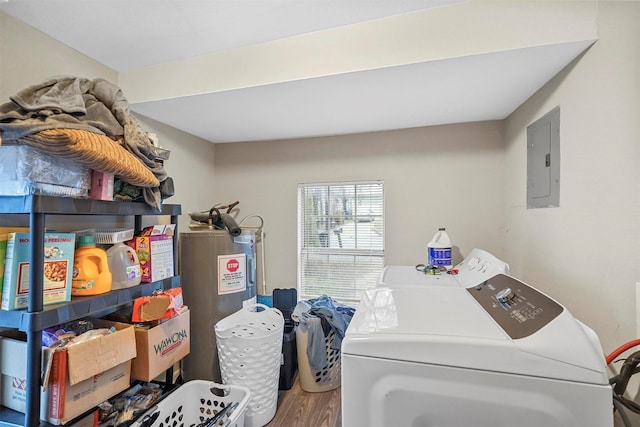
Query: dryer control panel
519,309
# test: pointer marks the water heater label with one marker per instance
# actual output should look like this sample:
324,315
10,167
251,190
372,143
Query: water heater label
232,273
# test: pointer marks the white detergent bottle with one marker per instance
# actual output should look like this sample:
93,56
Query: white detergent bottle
439,250
124,265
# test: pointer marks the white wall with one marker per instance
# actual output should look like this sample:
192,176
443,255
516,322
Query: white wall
28,57
586,252
442,176
190,165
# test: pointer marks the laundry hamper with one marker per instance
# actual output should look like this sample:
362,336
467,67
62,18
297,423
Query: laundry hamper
249,344
196,402
322,378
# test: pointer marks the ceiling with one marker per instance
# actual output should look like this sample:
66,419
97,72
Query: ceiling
471,88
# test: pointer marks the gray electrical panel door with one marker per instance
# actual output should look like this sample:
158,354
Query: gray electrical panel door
543,161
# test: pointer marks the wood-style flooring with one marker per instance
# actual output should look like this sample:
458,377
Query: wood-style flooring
298,408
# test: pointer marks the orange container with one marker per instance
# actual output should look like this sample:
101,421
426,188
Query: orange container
91,274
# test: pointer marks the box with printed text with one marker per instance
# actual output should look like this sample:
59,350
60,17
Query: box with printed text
154,248
75,379
58,269
13,372
160,347
4,236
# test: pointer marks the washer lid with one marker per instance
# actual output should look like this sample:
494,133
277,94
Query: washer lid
447,326
422,311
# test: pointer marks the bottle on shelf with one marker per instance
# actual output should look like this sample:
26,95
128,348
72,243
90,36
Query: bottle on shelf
91,274
124,265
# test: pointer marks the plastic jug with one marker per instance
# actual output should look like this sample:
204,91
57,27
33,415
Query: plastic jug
439,250
91,274
124,265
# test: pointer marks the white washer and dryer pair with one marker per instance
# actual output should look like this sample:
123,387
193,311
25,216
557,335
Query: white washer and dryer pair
477,349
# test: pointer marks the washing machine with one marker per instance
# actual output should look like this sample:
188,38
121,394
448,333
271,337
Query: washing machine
498,353
477,266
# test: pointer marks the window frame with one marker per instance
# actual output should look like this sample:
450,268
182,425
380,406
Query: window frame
360,256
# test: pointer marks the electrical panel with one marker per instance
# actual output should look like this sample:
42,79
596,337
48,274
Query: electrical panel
543,161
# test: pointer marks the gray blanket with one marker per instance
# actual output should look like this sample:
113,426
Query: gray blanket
79,103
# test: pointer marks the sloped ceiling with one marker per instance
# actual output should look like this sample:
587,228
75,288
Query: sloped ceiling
239,70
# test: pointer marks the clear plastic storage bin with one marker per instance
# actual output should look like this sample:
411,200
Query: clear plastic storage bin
25,170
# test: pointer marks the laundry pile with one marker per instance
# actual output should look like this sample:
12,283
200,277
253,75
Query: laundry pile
87,121
318,318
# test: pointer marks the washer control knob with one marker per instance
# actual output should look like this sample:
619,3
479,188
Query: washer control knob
505,295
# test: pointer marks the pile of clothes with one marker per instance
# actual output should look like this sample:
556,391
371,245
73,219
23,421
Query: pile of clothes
318,318
90,122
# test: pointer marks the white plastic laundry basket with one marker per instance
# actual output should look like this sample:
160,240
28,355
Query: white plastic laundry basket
249,345
326,377
196,402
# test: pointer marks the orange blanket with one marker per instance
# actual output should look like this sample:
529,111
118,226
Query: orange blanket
98,152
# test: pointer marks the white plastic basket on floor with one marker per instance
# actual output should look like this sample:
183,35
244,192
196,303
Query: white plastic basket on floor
196,402
249,345
324,378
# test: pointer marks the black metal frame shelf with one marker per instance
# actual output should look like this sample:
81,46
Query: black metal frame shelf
79,307
34,204
37,317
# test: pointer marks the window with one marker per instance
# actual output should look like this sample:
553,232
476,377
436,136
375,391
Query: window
340,239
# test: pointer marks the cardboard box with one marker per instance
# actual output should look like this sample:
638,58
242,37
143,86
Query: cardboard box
160,347
93,357
159,306
155,252
13,383
67,401
58,269
79,377
4,235
101,186
90,420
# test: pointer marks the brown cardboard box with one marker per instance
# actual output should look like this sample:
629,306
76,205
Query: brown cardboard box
67,401
78,379
160,347
92,357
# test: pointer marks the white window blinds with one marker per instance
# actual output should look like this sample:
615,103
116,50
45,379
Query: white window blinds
340,239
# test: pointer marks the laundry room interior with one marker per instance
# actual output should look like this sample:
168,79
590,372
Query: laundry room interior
436,102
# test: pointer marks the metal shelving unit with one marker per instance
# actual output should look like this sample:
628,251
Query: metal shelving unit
37,317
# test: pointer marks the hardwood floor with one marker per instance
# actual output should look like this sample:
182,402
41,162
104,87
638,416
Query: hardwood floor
298,408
